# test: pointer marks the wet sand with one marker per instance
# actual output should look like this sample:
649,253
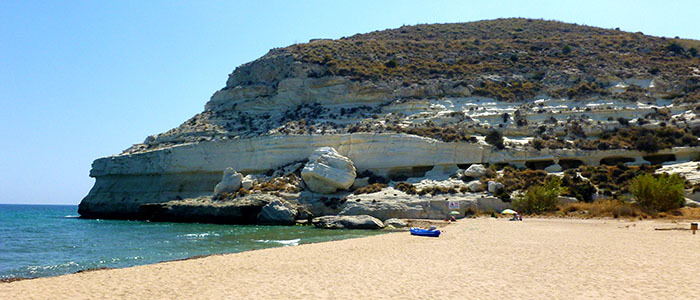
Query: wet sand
474,259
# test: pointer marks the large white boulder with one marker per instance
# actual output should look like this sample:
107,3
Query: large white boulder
327,171
230,182
475,171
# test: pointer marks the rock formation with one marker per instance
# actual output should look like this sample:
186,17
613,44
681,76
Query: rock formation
278,213
475,171
230,182
394,223
327,171
397,105
348,222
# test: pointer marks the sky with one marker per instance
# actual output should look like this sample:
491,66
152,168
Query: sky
81,80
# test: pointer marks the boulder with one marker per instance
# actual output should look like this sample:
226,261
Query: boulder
277,213
248,182
347,222
230,182
242,210
327,171
476,186
395,223
360,182
553,168
475,171
495,187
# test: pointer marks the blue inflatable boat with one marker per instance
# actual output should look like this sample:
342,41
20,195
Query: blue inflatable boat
425,232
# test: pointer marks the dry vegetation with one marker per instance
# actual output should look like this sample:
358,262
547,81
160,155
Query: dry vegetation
630,138
372,188
537,50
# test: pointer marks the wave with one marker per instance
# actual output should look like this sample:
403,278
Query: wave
199,235
293,242
72,216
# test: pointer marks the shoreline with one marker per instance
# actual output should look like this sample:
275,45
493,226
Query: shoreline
537,257
410,222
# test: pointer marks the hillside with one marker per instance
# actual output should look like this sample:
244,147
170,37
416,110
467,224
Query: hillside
419,103
531,56
498,74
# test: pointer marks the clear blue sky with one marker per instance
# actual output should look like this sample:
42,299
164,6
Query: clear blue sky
85,79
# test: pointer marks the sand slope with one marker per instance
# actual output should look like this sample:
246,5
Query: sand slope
474,259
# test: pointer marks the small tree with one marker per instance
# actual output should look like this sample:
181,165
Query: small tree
566,49
540,198
675,48
495,138
661,193
647,143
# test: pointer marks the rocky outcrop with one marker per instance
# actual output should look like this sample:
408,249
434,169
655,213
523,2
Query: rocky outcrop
242,210
278,213
327,171
277,110
348,222
395,223
475,171
230,182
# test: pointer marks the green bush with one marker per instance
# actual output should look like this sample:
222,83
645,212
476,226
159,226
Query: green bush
661,193
495,138
675,48
566,49
540,198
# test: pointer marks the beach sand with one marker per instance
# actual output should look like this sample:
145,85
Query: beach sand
480,258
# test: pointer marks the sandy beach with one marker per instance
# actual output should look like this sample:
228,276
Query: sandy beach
474,259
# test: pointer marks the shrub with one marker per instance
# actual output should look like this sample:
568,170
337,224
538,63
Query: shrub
372,188
406,187
661,193
675,48
647,143
576,187
604,208
495,138
540,198
566,49
390,64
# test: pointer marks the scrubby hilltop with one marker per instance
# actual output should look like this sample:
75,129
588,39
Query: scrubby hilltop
397,80
414,102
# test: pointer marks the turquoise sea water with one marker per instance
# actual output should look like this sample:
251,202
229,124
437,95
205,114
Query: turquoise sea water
49,240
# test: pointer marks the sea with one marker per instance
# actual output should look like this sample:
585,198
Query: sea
51,240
